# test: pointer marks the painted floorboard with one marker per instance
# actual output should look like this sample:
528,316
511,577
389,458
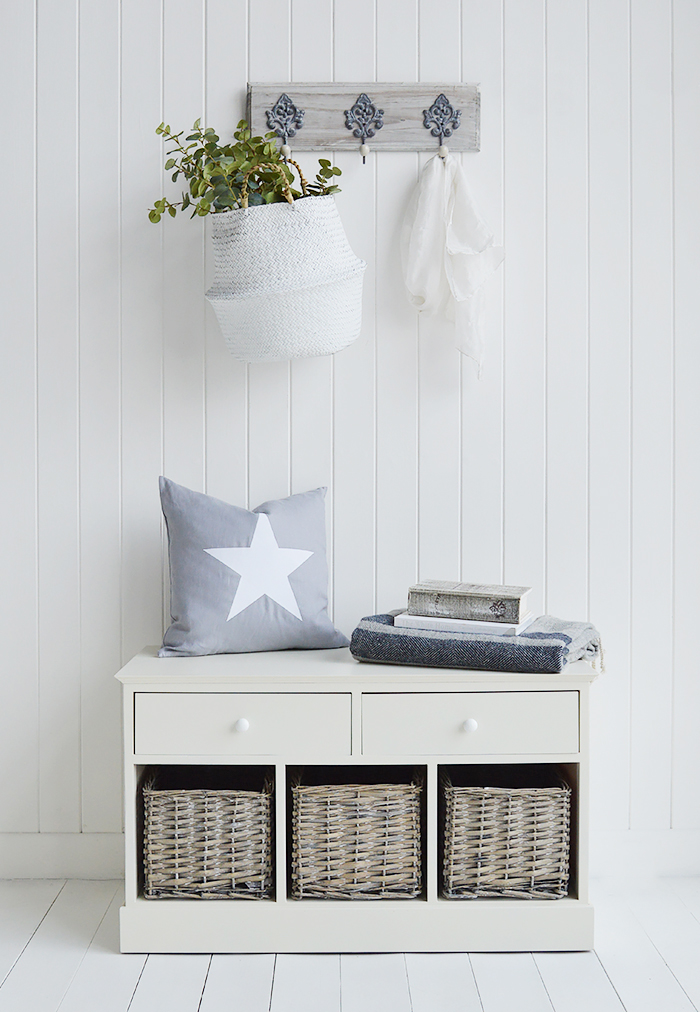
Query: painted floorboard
239,983
577,982
442,981
42,976
374,983
509,981
306,984
106,979
672,929
688,890
171,984
637,970
23,905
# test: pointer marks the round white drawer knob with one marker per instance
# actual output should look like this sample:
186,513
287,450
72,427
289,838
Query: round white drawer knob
241,725
470,725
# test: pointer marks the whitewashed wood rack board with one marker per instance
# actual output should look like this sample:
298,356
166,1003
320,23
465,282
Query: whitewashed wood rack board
59,946
402,107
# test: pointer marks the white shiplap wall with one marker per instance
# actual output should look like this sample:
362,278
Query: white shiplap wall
572,465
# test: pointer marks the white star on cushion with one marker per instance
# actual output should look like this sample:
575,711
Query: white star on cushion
264,569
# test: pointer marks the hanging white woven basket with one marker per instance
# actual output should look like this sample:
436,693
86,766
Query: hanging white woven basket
286,283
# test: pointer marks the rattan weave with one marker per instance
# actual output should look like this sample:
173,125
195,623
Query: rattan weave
511,842
356,841
207,844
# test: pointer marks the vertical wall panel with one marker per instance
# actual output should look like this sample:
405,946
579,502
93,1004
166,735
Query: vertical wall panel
57,439
686,100
311,379
18,590
354,368
610,433
312,40
524,296
439,362
269,448
482,398
567,310
397,333
183,263
100,501
652,414
141,324
226,387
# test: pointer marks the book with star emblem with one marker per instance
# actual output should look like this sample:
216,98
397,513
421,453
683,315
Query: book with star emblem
480,602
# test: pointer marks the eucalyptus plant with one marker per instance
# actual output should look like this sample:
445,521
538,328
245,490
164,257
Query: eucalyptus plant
247,173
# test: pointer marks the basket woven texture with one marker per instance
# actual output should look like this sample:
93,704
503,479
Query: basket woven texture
286,282
511,842
207,844
356,841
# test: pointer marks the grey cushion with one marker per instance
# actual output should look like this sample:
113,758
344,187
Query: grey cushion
242,581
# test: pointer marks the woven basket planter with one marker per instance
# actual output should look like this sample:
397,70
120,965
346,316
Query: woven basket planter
210,843
506,841
356,841
286,285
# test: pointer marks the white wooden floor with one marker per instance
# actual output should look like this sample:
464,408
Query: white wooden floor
58,950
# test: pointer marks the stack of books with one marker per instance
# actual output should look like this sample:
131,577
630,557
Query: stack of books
440,605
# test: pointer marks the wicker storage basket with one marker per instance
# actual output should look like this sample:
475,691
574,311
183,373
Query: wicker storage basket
510,841
208,841
356,841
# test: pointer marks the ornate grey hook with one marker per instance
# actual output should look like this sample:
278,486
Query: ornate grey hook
442,117
364,119
285,119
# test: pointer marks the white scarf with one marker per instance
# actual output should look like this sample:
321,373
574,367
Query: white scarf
448,253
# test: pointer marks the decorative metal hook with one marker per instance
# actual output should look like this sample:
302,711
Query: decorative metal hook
285,119
364,119
443,118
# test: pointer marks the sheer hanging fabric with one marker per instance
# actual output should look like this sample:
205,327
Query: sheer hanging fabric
448,253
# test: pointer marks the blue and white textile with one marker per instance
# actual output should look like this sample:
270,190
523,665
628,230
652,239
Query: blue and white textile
546,646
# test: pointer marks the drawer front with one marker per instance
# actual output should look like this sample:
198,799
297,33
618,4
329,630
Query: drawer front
498,723
214,723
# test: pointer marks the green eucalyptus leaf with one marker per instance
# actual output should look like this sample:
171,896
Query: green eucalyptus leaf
171,211
154,216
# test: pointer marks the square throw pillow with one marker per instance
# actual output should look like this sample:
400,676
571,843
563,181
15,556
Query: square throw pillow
242,581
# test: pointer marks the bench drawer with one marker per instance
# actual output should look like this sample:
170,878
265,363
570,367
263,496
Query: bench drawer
214,723
498,723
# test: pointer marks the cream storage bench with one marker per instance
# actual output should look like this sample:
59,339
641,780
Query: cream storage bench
283,715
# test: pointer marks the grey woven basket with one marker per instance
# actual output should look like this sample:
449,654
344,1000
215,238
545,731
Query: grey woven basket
356,841
206,843
506,841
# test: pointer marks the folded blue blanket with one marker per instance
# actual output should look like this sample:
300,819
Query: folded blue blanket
546,646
